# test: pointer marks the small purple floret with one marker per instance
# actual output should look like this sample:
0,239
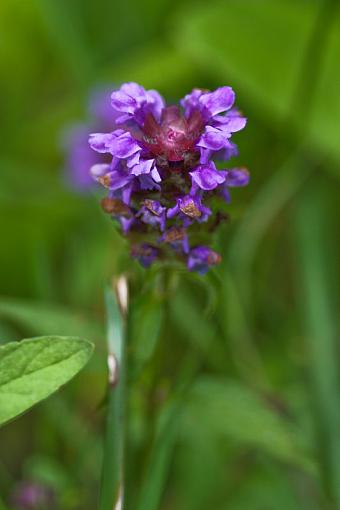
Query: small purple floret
202,258
31,496
145,253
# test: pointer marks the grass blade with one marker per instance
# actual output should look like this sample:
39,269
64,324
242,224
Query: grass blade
160,458
320,328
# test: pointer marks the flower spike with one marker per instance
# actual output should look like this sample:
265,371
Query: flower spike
162,178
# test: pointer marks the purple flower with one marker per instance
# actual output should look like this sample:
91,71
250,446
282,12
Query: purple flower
177,238
78,155
188,209
32,496
201,258
207,103
161,175
145,253
235,178
152,213
79,158
135,103
206,177
113,177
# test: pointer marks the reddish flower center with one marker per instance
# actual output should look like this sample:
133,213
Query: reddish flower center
174,137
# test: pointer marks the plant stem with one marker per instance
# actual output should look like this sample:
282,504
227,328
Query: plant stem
112,483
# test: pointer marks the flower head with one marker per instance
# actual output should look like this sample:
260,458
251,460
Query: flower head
161,176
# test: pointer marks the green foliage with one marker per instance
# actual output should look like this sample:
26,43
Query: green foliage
48,319
320,323
267,62
233,378
159,461
32,369
236,412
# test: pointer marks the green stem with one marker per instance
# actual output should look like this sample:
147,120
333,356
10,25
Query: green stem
112,484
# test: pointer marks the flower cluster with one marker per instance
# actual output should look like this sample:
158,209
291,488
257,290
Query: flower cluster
163,184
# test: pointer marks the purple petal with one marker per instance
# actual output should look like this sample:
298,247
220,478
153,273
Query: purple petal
219,101
185,244
207,177
133,160
226,193
126,224
100,142
155,175
99,170
133,89
201,258
213,139
124,146
143,167
147,183
205,155
122,118
116,179
231,122
230,151
156,102
173,211
133,100
191,101
237,177
126,193
145,253
123,102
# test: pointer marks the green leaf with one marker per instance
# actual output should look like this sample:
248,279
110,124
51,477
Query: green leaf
315,280
267,487
158,466
267,204
235,411
32,369
261,47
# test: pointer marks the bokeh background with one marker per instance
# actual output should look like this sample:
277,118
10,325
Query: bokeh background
234,401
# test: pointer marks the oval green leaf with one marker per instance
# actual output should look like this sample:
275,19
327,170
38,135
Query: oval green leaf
32,369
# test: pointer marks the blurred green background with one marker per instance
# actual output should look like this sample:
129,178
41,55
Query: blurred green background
234,401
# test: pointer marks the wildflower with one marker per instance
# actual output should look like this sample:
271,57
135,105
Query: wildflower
79,156
32,495
145,253
201,258
161,175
